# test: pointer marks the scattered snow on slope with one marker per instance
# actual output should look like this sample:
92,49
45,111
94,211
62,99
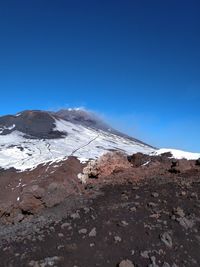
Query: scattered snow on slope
7,128
179,154
82,142
85,143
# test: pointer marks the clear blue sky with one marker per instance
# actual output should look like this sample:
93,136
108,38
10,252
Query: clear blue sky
135,62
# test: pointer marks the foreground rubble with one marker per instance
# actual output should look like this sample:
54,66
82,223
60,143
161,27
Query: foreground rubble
139,224
136,211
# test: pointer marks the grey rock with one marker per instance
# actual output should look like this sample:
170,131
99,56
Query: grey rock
166,239
86,209
132,252
82,231
75,215
64,225
145,254
117,239
93,232
154,194
132,209
126,263
152,205
124,223
153,262
178,211
186,223
60,235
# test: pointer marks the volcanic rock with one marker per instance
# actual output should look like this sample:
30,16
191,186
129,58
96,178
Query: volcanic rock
30,204
138,159
93,232
104,166
33,123
45,186
198,162
166,238
126,263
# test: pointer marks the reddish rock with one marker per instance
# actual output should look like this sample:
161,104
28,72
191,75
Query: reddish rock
30,191
30,204
182,165
111,162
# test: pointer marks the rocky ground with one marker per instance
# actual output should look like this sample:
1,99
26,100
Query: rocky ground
145,214
147,224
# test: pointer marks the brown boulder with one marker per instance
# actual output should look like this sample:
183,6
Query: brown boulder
138,159
30,204
104,166
55,193
181,166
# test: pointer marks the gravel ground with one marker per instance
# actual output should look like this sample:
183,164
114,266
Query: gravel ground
153,224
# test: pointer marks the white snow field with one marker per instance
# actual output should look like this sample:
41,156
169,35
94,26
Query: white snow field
82,142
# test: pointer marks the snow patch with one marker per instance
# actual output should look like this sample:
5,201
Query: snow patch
179,154
146,163
7,128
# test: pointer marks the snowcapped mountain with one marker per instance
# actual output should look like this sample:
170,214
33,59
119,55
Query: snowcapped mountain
34,137
30,138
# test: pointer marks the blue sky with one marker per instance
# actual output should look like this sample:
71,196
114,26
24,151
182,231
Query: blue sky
135,62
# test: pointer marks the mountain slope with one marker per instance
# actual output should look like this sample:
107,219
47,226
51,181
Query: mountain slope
89,119
35,137
31,138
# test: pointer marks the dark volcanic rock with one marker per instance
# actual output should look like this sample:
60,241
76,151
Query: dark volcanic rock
138,159
198,162
34,124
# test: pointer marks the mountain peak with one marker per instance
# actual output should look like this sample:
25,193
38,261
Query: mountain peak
83,117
